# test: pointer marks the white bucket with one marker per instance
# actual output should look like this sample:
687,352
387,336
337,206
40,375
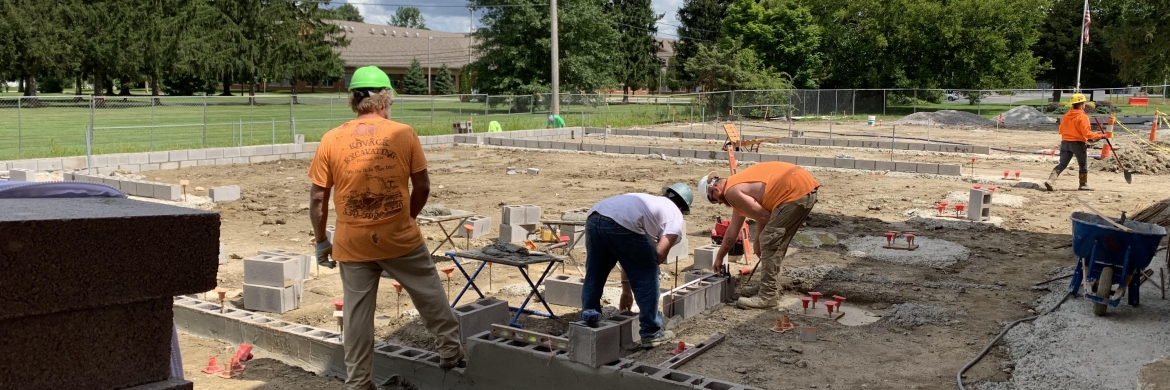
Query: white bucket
872,119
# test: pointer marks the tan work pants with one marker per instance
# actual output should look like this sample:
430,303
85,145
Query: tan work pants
418,276
775,237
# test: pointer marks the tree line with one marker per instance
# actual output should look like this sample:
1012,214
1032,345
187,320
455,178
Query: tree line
177,47
766,44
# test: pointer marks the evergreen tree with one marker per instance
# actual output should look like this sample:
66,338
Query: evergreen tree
415,82
444,82
637,50
700,22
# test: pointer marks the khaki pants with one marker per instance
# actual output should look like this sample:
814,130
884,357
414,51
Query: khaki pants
418,276
774,239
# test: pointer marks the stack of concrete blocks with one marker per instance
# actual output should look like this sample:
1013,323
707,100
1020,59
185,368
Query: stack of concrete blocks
479,316
720,290
595,347
517,221
303,260
273,283
91,283
979,205
564,290
22,175
686,303
480,226
224,194
628,324
144,189
705,257
576,233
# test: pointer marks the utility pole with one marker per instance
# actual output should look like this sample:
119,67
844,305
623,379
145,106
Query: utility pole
556,61
429,40
1081,56
470,40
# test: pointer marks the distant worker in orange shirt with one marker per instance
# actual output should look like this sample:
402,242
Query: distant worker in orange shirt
1075,135
779,196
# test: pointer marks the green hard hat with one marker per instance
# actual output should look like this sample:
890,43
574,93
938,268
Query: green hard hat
368,77
681,195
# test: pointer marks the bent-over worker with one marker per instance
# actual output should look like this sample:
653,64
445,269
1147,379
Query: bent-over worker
636,231
371,163
778,196
1075,134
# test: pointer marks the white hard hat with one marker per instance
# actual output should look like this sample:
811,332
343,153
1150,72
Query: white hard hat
705,184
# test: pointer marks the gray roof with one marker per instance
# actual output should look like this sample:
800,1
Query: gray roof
391,46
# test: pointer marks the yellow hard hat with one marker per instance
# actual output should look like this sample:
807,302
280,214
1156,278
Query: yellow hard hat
1078,98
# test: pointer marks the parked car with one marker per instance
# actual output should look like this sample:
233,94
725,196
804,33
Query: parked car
953,96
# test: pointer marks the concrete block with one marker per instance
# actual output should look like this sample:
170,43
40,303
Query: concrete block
629,327
273,270
22,175
309,147
813,141
901,146
981,149
304,261
799,141
825,162
595,347
686,303
865,164
979,205
705,256
188,164
213,153
112,182
194,154
74,163
149,167
106,170
233,152
769,157
271,299
841,143
544,144
926,168
531,214
907,167
257,159
158,157
623,149
481,226
531,143
680,250
513,233
950,169
806,161
576,235
132,168
478,316
612,149
788,159
748,157
224,194
564,290
884,165
240,160
171,192
932,147
177,155
49,164
915,146
513,215
223,161
846,163
168,166
130,187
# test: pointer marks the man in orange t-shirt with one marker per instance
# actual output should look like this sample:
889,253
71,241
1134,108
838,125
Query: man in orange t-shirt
779,196
1075,134
371,163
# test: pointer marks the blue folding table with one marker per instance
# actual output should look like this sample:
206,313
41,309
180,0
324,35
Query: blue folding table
521,263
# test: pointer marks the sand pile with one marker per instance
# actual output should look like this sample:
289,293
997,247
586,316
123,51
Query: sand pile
945,118
1137,158
1026,116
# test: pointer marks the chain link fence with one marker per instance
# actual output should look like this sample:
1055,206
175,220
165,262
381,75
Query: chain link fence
45,126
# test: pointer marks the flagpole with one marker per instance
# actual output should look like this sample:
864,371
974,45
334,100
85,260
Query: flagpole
1081,56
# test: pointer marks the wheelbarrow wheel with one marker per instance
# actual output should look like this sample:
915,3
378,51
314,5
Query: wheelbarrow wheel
1104,285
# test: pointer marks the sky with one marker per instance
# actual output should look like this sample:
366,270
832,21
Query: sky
455,18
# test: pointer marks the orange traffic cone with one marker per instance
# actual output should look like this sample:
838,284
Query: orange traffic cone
211,366
1106,151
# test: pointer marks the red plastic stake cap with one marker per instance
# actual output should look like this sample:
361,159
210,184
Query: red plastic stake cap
815,296
398,286
745,271
337,304
830,305
805,300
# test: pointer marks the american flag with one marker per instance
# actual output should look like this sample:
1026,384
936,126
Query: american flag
1088,21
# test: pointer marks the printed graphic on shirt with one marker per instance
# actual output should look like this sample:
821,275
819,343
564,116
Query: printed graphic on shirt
372,159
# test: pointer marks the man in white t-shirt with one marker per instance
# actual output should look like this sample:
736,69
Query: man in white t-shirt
636,231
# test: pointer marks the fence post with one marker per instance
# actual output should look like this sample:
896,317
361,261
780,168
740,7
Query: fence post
19,129
89,148
242,133
980,109
151,125
818,102
273,131
432,110
915,100
292,121
486,98
884,102
853,105
205,120
732,104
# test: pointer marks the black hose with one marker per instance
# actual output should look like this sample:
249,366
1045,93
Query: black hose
959,376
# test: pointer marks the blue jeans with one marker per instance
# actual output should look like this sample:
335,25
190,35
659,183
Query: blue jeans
609,244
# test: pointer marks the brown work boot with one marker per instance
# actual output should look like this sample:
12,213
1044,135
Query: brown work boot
1051,180
749,290
756,302
451,362
1085,183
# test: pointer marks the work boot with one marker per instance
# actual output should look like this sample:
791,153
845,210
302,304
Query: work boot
1085,183
756,302
1051,180
451,362
665,337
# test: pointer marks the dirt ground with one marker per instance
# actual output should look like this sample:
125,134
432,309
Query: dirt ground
992,286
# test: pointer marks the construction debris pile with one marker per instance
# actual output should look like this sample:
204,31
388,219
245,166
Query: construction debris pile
1138,158
1025,116
945,118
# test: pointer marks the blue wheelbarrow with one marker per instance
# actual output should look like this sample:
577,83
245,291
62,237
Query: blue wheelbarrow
1108,256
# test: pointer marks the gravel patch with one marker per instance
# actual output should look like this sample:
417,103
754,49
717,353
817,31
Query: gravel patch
945,118
997,199
1026,116
1073,349
932,253
913,315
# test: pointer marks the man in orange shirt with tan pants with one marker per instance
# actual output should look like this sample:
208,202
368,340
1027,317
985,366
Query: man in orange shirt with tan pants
778,196
371,163
1075,134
